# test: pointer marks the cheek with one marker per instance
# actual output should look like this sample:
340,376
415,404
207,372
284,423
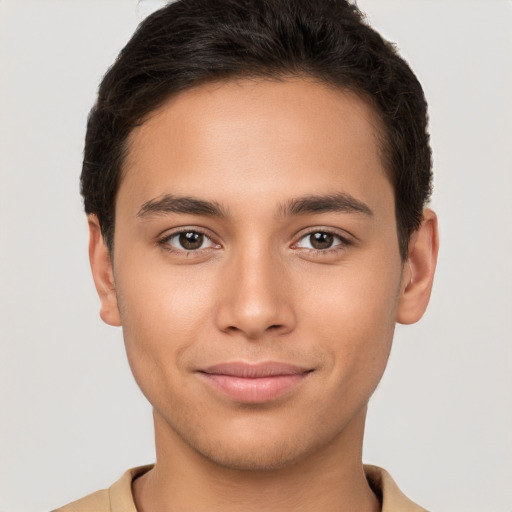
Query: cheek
352,313
358,295
163,313
154,293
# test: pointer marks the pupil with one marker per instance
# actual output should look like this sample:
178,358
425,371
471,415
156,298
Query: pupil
191,240
321,240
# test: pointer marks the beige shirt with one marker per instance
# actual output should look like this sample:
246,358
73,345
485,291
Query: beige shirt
118,497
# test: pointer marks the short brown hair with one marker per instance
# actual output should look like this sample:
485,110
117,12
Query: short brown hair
190,42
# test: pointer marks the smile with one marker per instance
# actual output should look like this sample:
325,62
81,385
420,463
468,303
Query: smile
249,383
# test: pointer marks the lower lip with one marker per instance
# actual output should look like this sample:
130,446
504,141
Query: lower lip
254,390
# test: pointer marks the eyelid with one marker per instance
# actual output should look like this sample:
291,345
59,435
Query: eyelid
163,239
346,239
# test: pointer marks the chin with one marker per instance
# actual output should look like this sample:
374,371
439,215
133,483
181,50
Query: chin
257,449
254,458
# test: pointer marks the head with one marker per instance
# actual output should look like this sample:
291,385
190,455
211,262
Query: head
255,175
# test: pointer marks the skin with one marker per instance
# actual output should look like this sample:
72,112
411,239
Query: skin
257,291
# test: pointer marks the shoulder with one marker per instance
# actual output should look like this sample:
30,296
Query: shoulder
96,502
392,498
117,498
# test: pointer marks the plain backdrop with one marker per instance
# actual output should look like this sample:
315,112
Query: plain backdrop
72,419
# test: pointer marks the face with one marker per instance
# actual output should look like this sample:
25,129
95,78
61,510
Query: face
256,268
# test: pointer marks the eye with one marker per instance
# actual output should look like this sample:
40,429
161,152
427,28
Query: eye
188,240
321,241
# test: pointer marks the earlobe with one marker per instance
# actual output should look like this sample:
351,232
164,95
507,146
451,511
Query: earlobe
102,272
419,269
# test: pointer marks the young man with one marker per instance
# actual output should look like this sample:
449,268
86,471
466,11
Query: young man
255,178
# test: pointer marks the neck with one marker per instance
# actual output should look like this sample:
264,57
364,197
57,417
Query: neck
331,479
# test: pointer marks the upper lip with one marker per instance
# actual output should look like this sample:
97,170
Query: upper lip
255,371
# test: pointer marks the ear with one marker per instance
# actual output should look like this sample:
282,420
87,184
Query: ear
102,273
418,273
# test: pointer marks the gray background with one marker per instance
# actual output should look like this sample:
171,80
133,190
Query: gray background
71,418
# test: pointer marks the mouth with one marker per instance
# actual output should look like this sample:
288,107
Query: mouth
254,383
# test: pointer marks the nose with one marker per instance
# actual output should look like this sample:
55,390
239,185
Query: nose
255,298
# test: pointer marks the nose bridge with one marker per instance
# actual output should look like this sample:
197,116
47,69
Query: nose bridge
254,300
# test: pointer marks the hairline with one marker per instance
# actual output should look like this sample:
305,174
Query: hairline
379,128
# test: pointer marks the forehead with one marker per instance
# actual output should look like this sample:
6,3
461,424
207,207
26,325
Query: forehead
215,139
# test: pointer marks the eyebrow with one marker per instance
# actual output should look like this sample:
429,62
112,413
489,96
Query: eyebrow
339,202
170,203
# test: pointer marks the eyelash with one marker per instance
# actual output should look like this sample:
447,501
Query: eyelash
343,244
164,242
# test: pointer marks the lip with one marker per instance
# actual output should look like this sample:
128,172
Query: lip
254,383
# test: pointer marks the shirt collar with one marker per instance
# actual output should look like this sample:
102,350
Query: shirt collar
391,497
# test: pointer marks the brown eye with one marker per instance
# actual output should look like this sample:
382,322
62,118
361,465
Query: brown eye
321,240
189,241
